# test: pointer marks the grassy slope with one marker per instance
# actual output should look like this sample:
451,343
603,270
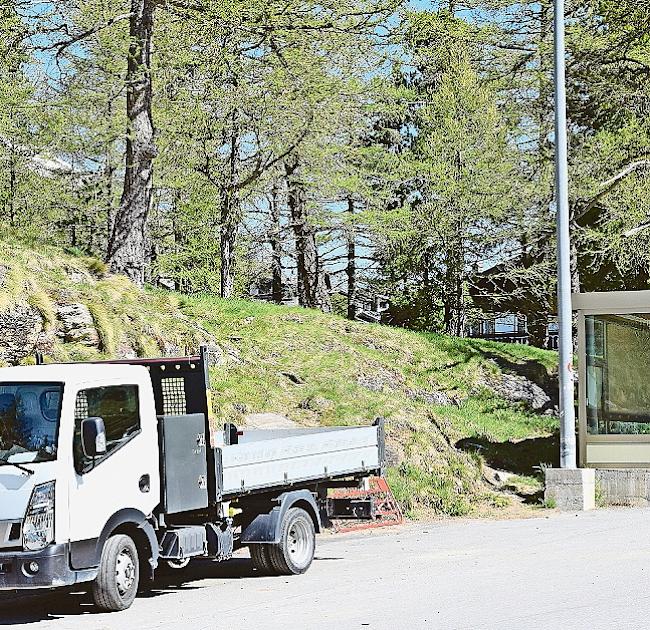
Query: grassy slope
350,372
336,359
127,319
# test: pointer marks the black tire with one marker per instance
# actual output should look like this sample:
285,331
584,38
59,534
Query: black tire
295,551
261,558
116,584
178,565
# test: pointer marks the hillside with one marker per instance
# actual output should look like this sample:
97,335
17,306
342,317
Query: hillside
452,405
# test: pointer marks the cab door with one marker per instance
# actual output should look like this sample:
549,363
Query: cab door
125,478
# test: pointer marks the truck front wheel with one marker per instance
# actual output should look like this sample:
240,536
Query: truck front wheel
295,551
116,584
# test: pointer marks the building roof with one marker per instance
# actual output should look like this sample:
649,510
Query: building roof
611,300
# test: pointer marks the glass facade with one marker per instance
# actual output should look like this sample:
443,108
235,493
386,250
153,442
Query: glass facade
618,373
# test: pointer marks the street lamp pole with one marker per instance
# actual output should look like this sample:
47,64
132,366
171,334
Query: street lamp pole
565,315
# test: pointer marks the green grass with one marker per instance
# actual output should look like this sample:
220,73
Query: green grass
127,319
334,357
42,302
349,373
524,484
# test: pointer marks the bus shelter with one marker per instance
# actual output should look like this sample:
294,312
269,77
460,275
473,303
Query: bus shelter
614,379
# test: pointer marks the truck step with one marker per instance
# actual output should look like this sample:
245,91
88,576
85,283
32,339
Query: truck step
184,542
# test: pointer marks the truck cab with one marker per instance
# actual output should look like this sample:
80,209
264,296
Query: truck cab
56,498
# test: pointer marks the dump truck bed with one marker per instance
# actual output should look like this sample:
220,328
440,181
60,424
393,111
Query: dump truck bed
285,457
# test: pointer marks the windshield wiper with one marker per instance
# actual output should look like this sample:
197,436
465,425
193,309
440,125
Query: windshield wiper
4,462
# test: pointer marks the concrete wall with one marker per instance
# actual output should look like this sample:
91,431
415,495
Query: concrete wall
629,487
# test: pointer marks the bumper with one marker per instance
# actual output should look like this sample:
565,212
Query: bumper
53,569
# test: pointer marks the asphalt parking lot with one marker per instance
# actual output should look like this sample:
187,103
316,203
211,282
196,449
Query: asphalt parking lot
585,571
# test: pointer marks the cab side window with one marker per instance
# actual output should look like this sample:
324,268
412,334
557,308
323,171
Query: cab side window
118,406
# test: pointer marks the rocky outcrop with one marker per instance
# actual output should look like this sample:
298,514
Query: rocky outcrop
514,388
77,325
20,328
380,380
434,397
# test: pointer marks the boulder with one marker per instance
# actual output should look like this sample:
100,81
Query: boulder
125,351
373,383
215,354
20,329
77,325
77,276
516,388
434,397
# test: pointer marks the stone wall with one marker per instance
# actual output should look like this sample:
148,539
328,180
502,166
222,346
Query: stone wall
628,487
20,328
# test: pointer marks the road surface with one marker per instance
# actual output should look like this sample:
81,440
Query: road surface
586,571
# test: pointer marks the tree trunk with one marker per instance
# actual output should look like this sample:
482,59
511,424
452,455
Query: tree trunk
109,171
276,247
575,269
127,249
312,291
352,264
454,313
12,188
538,329
230,213
228,242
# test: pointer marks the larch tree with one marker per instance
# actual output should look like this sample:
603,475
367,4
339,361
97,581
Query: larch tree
127,244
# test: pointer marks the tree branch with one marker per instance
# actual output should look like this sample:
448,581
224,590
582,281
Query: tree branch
61,46
609,186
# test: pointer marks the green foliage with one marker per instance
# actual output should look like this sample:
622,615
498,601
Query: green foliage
549,504
463,177
433,126
416,489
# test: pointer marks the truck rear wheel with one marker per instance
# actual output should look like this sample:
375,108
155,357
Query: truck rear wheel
260,555
295,551
116,584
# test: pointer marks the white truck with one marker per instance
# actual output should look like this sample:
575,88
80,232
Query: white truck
108,469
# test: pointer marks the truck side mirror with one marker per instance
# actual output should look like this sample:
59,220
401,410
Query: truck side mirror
93,437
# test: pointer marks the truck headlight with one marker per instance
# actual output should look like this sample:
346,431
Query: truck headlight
38,526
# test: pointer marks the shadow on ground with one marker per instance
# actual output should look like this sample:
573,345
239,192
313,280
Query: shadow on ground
523,457
18,608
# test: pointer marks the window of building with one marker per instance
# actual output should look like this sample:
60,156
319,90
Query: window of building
618,364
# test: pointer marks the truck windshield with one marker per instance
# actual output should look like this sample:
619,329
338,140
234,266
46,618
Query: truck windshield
29,421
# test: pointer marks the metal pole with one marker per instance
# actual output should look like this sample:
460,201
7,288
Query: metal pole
565,315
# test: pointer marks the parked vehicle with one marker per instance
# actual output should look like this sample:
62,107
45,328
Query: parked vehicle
109,469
